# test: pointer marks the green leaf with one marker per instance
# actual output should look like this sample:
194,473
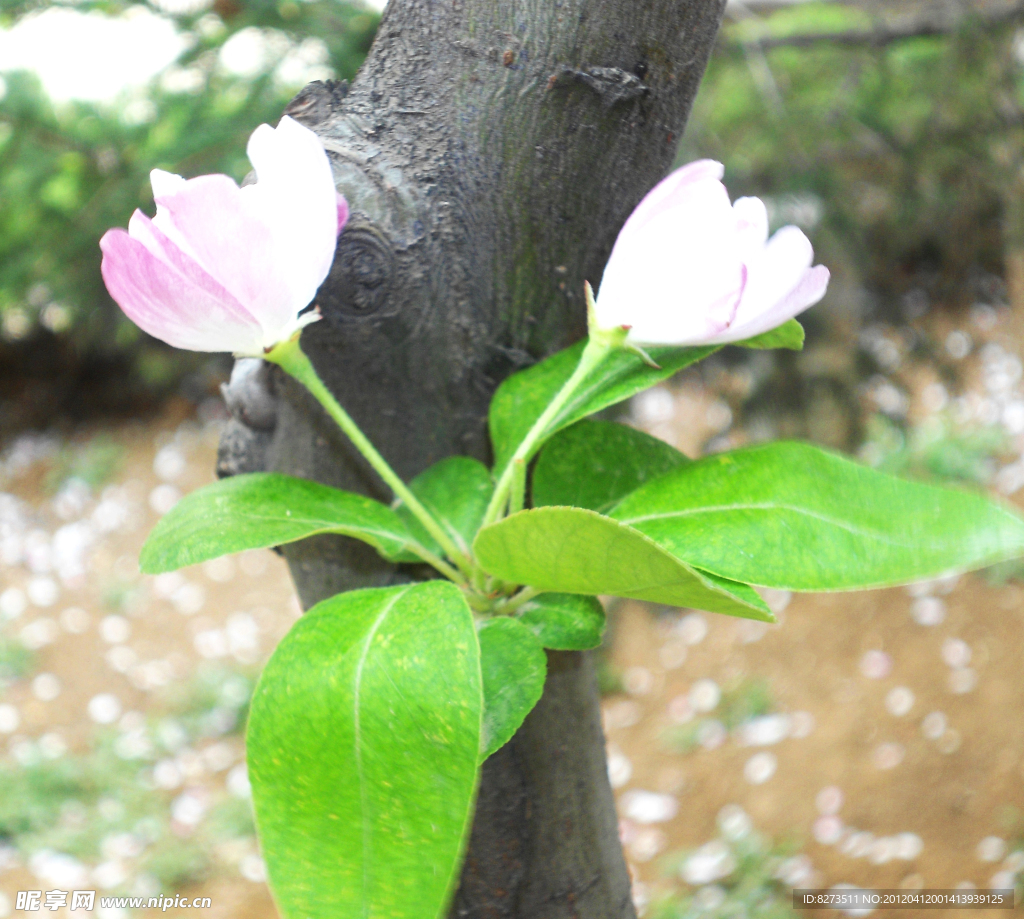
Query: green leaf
594,464
514,666
456,491
522,398
571,550
565,622
788,335
793,516
363,746
265,509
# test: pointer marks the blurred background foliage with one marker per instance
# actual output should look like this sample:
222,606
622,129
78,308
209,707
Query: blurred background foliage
70,170
892,130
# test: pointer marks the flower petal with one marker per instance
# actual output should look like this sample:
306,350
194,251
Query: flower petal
670,192
165,183
689,267
295,197
677,278
208,218
774,271
751,226
810,289
218,261
141,228
172,300
342,213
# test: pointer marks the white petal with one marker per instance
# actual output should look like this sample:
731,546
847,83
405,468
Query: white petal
295,197
165,185
689,267
669,190
810,289
751,226
670,278
774,272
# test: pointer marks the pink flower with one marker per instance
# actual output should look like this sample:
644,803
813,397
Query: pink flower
690,268
223,268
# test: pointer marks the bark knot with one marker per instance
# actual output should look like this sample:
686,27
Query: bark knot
612,84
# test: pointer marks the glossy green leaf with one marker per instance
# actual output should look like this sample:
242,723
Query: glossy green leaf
788,335
793,516
522,398
594,464
363,746
456,491
261,510
571,550
514,666
565,622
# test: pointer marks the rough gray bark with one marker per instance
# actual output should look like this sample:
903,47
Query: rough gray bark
490,151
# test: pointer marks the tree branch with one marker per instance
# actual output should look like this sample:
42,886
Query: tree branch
925,26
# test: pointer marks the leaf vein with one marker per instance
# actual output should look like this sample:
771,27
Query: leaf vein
357,740
824,518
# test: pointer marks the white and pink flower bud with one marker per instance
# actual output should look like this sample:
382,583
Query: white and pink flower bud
691,268
223,268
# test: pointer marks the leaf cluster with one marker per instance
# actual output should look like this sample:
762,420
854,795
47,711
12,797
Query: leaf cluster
370,722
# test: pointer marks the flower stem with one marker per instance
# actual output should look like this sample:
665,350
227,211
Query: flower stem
517,490
291,358
517,600
440,565
595,352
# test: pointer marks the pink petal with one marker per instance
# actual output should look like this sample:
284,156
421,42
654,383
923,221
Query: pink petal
226,269
342,212
208,218
145,231
174,300
808,291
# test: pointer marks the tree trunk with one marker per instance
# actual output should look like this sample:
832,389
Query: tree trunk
490,151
